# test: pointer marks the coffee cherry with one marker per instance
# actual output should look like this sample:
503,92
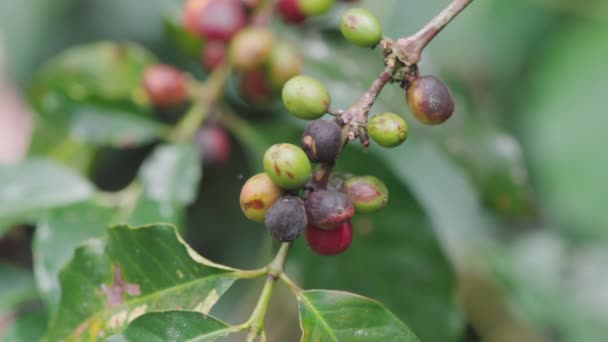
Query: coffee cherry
213,54
286,219
306,98
251,48
387,129
367,193
257,196
322,141
214,144
329,242
315,7
360,27
215,19
285,63
430,100
287,165
255,86
327,209
290,11
165,85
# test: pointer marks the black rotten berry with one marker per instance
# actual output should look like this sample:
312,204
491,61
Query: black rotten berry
322,141
430,100
286,219
327,209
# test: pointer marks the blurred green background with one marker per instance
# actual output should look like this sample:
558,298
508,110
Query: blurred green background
495,229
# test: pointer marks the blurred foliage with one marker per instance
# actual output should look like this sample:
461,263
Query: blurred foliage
509,189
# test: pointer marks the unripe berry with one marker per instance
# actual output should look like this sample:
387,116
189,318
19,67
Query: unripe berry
387,129
215,19
306,97
360,27
285,63
213,54
329,242
367,193
315,7
327,209
214,144
258,194
165,85
430,100
322,141
251,48
255,86
286,219
287,165
290,11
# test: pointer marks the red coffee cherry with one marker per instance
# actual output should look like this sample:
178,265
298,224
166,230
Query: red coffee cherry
165,85
328,209
215,19
290,11
286,219
255,87
214,144
430,100
329,242
322,141
213,54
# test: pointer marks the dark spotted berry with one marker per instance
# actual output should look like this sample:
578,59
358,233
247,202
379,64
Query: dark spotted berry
257,196
286,219
287,165
430,100
367,193
165,85
329,242
327,209
322,141
360,27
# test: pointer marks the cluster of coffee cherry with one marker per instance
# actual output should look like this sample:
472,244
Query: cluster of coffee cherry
293,200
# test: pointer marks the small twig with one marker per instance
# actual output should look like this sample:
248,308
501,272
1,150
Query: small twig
409,50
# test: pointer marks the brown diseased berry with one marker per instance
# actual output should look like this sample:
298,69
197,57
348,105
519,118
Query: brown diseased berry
322,141
367,193
327,209
430,100
286,219
165,85
329,242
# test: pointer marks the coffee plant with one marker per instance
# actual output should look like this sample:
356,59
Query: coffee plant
114,265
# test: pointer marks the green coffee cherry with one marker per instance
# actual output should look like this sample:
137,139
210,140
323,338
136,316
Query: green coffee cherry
287,165
360,27
306,97
285,63
387,129
367,193
251,48
257,196
315,7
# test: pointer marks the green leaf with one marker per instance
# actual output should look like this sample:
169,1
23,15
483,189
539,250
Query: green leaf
30,327
342,316
56,237
16,287
171,174
106,285
93,94
174,326
35,185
